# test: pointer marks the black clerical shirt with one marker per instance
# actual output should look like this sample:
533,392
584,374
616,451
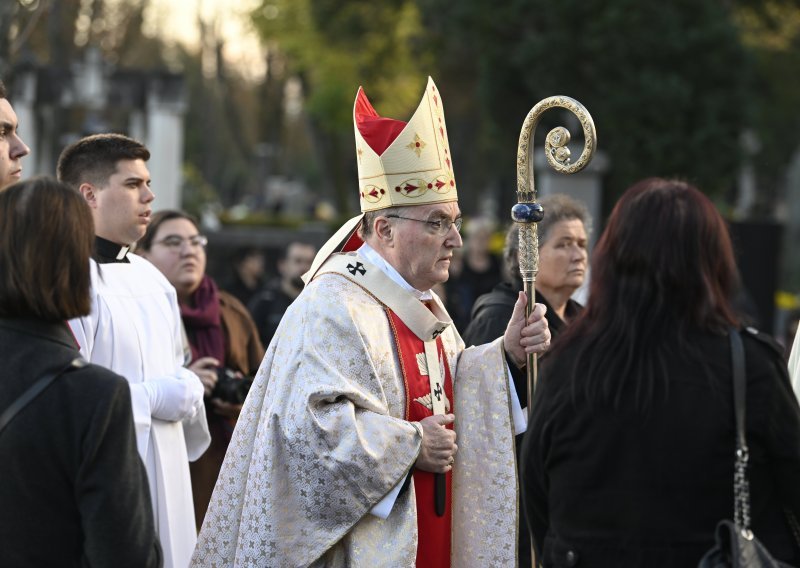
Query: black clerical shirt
106,251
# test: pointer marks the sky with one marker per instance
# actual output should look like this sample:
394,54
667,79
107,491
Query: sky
177,20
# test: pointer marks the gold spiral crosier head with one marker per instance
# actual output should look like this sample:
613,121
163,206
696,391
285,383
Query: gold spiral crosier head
556,145
526,213
556,151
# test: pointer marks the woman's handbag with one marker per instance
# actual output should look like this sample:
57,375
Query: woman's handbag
736,545
35,390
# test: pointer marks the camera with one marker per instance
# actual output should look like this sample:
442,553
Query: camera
231,387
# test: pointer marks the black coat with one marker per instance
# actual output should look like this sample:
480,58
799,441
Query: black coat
73,491
267,309
616,487
490,316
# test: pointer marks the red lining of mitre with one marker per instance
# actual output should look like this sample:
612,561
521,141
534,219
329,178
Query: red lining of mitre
377,131
352,243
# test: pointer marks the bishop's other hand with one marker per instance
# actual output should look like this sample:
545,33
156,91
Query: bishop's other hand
439,447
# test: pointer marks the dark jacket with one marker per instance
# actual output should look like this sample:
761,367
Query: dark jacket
268,308
612,486
236,287
73,491
464,289
489,319
243,348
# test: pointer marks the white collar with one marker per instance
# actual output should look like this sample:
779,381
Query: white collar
374,257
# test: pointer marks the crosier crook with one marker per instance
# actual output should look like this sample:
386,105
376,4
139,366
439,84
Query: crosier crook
526,213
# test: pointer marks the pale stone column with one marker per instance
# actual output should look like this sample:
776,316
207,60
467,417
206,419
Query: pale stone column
585,186
166,105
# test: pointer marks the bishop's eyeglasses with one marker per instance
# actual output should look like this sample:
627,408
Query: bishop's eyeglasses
439,226
175,242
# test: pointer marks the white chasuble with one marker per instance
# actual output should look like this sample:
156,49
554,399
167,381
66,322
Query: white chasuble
322,439
134,330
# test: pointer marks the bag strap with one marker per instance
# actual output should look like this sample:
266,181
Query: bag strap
35,390
739,386
741,484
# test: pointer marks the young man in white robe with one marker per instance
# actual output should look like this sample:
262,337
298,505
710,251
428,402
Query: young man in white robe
346,453
134,329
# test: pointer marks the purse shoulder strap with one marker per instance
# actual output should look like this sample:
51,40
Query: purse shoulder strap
35,390
741,484
739,386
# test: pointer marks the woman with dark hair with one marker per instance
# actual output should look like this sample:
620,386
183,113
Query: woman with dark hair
74,491
628,459
221,334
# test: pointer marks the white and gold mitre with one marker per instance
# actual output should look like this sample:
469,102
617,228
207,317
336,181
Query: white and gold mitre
402,164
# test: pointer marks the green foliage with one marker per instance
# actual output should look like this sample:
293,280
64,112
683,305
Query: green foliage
338,46
58,32
198,194
219,137
334,47
666,82
771,32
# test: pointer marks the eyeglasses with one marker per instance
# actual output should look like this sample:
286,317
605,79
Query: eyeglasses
440,226
175,242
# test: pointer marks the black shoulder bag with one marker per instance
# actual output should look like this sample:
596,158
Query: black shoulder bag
35,390
736,545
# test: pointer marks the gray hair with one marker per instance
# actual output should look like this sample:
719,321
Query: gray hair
557,207
370,216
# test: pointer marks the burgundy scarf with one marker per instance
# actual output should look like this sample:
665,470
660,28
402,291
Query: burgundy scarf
203,322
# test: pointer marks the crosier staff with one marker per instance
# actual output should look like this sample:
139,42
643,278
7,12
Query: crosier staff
526,213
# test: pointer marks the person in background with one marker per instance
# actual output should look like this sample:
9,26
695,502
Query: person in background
134,329
476,273
74,491
268,307
220,332
247,277
629,455
562,269
12,148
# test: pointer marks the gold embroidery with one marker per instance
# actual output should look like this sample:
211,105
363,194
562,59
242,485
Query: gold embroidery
417,145
372,193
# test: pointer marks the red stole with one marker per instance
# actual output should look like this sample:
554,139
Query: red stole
433,550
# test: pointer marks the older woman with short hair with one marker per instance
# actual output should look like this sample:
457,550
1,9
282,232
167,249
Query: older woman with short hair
74,491
563,263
